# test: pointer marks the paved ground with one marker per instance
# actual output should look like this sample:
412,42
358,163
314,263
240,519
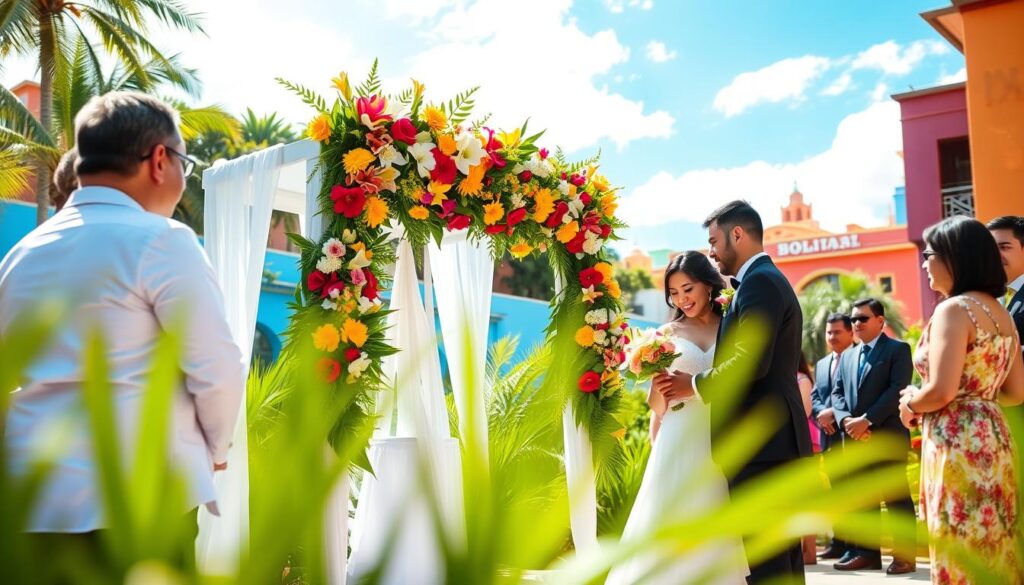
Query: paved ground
824,574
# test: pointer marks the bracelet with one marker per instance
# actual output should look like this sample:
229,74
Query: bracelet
910,408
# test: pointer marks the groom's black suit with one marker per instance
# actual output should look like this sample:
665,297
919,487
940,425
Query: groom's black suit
764,295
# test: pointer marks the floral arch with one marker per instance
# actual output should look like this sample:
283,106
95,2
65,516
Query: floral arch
403,161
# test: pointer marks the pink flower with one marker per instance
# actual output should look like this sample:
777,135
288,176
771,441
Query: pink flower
358,278
371,110
543,153
403,130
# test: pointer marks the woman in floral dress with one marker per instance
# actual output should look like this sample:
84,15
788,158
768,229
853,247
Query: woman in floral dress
969,359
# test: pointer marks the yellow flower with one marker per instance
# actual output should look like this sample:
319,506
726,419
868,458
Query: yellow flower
521,249
493,212
357,160
510,139
418,212
585,336
326,338
439,191
567,232
608,205
349,306
545,205
600,183
605,269
354,332
417,88
376,211
434,118
417,194
446,144
590,295
320,128
361,247
474,182
620,434
341,84
613,288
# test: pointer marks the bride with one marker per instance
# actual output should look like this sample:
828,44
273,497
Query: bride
681,480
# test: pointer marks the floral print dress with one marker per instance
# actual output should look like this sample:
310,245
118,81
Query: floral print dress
969,481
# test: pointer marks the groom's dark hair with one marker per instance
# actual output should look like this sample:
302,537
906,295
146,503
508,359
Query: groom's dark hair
737,213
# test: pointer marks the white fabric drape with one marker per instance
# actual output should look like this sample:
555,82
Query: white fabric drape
463,274
394,510
579,474
239,201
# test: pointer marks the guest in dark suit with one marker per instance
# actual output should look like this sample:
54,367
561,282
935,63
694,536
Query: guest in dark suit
1009,234
839,337
865,402
763,295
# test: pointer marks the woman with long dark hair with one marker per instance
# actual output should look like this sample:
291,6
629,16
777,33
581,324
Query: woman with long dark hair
969,360
681,480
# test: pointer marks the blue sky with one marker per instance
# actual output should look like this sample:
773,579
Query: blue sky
691,103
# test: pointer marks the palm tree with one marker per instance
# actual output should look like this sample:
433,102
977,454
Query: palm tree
23,142
826,297
46,29
265,130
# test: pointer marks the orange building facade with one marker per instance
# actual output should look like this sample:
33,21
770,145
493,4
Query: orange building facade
808,254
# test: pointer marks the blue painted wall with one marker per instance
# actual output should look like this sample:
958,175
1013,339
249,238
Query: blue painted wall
510,315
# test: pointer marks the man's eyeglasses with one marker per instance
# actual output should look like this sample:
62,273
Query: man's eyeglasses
860,319
188,164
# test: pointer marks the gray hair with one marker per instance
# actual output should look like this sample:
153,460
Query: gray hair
114,131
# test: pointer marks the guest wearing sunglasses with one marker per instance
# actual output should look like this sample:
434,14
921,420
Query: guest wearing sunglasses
865,401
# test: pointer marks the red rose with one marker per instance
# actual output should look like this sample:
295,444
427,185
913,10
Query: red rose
370,288
575,245
578,180
496,228
606,230
590,382
459,222
352,354
516,216
316,280
555,219
590,277
586,198
525,176
328,369
404,131
444,168
348,201
336,285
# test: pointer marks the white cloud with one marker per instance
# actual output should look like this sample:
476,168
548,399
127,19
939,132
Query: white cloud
841,85
617,6
851,182
659,53
892,59
785,80
878,94
957,77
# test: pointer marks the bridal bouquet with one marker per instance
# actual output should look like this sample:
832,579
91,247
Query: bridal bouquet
648,352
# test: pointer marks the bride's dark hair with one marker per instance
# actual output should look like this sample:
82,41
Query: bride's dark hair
700,269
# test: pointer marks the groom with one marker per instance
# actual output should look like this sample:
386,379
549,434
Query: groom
762,293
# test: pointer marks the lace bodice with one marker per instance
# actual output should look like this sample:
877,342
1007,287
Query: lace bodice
692,359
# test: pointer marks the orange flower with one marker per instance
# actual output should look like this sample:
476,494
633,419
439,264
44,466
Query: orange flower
439,192
361,247
545,205
354,332
609,205
418,212
446,143
605,269
357,160
326,338
520,250
620,434
585,336
376,211
492,213
567,232
474,182
613,288
600,183
319,128
434,118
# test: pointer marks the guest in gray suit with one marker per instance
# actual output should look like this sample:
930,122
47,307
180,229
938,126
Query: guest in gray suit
865,400
839,337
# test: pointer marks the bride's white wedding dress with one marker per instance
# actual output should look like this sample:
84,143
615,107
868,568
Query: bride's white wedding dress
681,481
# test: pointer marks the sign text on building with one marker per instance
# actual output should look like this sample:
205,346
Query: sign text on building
819,245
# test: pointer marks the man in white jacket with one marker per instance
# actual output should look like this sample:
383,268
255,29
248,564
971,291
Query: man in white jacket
129,272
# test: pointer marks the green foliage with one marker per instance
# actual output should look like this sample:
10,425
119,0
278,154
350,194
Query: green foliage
372,84
459,109
631,281
308,96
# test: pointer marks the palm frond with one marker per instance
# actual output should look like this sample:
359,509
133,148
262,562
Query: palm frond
174,14
372,84
208,119
17,118
460,108
308,96
14,173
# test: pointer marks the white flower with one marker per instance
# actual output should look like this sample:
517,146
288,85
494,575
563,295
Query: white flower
359,365
334,294
424,137
389,155
328,264
333,248
547,232
359,261
575,208
329,305
592,245
596,317
422,153
470,151
563,187
368,306
348,236
518,200
601,337
540,168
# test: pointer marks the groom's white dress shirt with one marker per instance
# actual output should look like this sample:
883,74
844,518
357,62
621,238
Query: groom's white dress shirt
129,274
